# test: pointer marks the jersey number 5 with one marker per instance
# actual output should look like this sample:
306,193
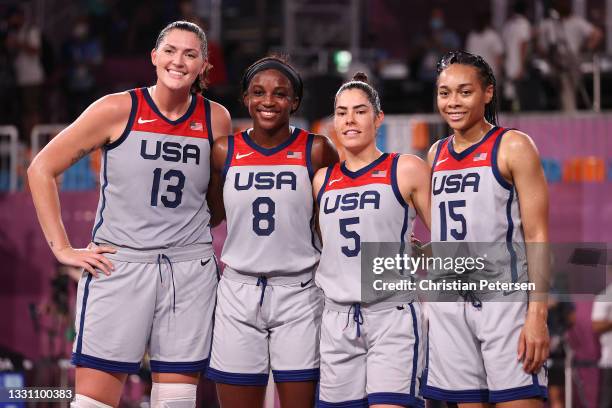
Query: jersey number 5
176,189
353,235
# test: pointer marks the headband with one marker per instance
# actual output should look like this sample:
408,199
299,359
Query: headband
294,78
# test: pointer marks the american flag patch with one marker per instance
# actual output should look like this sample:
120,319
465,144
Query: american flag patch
196,126
379,173
294,155
480,157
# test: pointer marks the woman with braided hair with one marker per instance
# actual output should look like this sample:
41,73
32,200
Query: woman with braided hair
269,311
489,346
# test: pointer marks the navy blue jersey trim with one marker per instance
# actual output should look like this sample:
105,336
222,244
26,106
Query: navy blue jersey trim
309,143
322,189
109,366
404,229
363,170
209,129
509,234
178,366
395,398
79,346
296,375
500,179
360,403
438,150
103,192
394,184
270,151
415,356
186,115
130,122
236,378
469,150
519,393
440,394
228,157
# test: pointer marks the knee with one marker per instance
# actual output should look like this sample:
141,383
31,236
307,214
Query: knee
173,395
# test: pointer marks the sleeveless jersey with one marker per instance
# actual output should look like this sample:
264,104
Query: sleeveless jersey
355,207
472,202
269,205
154,178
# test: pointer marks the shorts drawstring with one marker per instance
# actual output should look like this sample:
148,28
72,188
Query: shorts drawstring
469,296
264,282
160,258
357,317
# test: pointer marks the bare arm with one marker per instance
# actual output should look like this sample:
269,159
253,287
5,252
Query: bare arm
602,326
324,153
520,163
414,180
221,123
317,184
215,186
73,143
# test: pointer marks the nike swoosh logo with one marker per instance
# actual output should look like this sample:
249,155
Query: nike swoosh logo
333,181
141,120
205,263
441,161
240,156
303,284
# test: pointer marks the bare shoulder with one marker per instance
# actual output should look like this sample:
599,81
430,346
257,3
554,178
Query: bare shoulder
112,107
324,152
219,110
411,163
517,140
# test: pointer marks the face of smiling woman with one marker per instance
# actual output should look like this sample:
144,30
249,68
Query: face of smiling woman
178,59
270,99
461,97
355,121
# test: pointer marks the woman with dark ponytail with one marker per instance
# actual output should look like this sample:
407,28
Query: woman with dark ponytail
149,275
371,343
488,189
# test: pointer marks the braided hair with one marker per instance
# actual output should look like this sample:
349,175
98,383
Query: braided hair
485,74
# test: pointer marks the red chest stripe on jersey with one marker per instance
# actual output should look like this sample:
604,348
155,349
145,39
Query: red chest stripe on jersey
147,120
293,155
379,174
482,156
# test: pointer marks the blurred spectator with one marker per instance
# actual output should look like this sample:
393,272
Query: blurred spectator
516,33
24,40
441,40
561,317
562,38
82,54
485,41
602,325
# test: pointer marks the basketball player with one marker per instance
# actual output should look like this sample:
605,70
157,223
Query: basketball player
487,186
372,196
151,238
268,311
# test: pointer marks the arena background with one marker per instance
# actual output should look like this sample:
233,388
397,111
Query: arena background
92,47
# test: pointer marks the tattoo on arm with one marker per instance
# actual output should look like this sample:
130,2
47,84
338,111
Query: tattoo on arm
82,153
51,244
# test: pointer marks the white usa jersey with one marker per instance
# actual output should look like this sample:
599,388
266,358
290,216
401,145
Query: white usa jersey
269,206
472,202
355,207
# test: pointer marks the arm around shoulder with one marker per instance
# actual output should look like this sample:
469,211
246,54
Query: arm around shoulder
414,182
214,195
